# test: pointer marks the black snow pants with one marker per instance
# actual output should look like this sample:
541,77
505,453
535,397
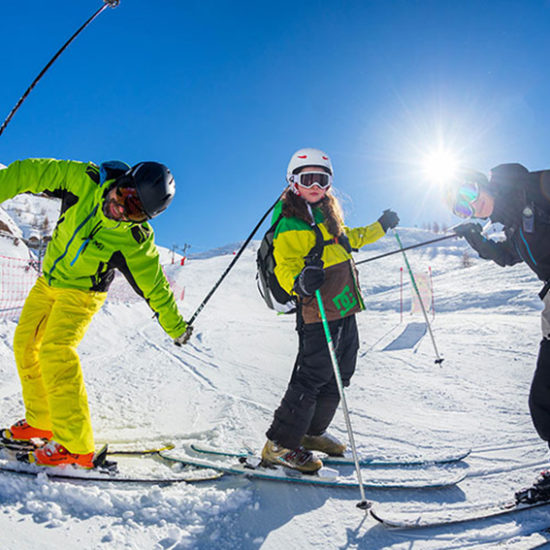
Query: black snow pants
312,397
539,397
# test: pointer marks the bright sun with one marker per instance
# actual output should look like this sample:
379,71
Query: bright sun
440,166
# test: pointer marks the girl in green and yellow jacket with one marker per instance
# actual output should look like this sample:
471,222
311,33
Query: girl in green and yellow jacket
311,215
102,226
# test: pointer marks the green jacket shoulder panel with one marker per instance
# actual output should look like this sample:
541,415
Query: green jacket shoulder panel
294,224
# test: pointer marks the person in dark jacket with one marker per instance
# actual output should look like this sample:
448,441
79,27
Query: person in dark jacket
520,201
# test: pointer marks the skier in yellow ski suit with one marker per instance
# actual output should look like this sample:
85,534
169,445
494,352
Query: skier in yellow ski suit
102,226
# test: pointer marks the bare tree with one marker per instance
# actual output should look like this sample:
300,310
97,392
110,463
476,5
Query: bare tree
466,260
45,226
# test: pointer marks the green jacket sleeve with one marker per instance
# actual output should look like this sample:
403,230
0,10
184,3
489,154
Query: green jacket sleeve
145,274
38,175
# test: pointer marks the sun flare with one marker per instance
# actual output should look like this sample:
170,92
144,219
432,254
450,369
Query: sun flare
440,166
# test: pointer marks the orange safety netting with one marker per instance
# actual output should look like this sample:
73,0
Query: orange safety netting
17,276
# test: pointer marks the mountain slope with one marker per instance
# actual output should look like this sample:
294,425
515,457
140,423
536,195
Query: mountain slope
223,387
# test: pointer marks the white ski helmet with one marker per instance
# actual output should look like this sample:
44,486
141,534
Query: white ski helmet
308,157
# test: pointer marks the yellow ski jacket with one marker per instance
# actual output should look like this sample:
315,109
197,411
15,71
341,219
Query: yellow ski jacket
293,240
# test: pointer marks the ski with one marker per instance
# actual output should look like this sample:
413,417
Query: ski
250,466
413,519
14,460
74,474
20,446
140,452
347,459
397,461
543,544
28,446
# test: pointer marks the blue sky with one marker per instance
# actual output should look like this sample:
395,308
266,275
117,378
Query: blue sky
224,92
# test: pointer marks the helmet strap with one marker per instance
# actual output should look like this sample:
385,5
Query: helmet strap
293,186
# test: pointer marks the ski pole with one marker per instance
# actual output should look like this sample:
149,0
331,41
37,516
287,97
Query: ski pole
364,504
406,248
432,291
112,4
438,359
228,269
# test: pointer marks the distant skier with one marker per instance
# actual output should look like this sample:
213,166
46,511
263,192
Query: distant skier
520,201
102,226
311,399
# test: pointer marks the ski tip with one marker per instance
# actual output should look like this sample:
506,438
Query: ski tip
380,519
374,515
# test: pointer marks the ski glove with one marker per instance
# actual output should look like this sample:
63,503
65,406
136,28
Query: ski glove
184,338
487,249
388,220
468,230
309,280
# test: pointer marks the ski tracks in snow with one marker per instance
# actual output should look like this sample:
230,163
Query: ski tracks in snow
184,358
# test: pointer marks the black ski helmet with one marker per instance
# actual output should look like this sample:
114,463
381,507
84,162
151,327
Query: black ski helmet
155,186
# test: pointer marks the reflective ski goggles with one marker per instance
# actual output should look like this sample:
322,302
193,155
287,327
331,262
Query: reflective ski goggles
466,195
128,198
309,179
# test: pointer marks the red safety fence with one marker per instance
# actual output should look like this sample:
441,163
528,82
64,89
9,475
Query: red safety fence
17,277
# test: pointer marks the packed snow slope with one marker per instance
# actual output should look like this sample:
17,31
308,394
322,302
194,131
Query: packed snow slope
222,388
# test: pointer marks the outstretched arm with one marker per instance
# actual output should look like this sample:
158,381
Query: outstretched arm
39,175
360,236
502,253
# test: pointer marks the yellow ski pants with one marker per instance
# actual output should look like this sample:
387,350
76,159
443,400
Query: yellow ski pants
52,324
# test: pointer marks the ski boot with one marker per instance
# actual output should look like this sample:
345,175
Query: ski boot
23,431
324,443
54,454
296,459
538,492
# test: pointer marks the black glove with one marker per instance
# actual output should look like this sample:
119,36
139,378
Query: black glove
468,230
388,220
309,280
472,233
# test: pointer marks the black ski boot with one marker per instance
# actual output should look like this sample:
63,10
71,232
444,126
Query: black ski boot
538,492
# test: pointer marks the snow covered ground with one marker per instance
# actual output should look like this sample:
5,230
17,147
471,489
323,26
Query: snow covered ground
222,388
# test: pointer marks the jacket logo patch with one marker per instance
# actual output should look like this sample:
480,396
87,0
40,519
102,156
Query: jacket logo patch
345,301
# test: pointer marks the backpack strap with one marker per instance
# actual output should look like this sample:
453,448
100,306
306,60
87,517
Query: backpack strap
532,211
276,222
314,255
316,252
